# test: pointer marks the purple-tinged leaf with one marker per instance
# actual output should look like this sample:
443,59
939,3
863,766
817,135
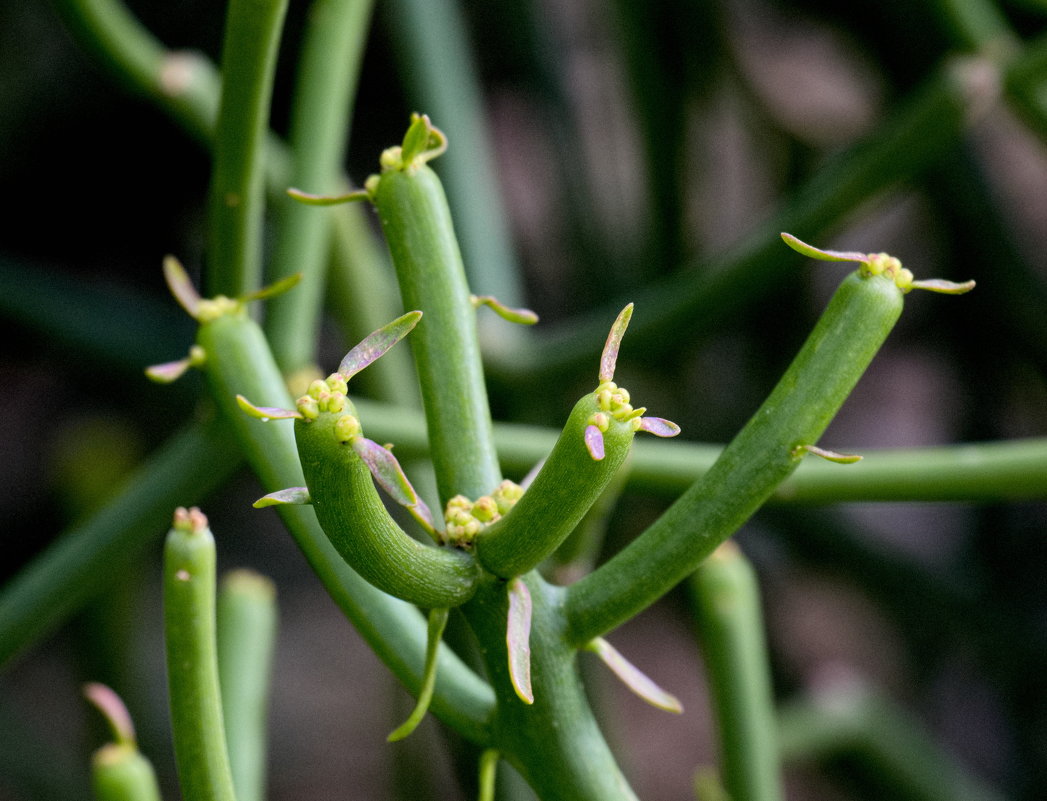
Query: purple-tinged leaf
659,426
521,316
518,639
271,291
831,456
296,496
168,371
377,343
106,701
181,286
391,478
822,255
943,287
635,679
267,413
609,357
594,442
327,200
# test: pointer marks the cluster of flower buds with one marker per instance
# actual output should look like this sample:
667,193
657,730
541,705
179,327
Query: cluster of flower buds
614,403
323,395
465,519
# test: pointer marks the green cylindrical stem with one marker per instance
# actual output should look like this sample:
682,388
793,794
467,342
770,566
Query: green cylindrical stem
761,456
555,743
417,225
326,85
252,36
568,484
730,622
356,521
246,637
119,772
239,362
192,664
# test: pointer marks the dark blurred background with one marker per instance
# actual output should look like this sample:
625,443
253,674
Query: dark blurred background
633,143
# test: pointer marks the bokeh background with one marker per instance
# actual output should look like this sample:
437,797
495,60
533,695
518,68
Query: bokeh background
633,146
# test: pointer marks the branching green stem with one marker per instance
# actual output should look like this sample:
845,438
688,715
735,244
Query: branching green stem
765,452
239,362
252,36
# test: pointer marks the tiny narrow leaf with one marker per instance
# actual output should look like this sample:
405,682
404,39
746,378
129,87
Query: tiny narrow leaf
521,316
437,624
267,412
822,255
168,371
831,456
635,679
518,639
271,291
416,140
594,442
297,496
943,287
659,426
609,357
391,477
375,344
327,200
181,286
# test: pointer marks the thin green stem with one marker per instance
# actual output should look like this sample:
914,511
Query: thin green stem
433,47
417,224
329,67
87,557
984,471
192,660
730,623
252,36
761,456
849,719
185,84
247,621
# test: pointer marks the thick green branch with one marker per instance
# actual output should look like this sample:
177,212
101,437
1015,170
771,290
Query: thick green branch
765,452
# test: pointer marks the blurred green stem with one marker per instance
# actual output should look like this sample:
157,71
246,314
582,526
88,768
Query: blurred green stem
328,69
730,624
90,555
437,67
848,718
247,619
237,202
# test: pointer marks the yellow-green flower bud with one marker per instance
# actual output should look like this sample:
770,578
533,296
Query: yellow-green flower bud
346,428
